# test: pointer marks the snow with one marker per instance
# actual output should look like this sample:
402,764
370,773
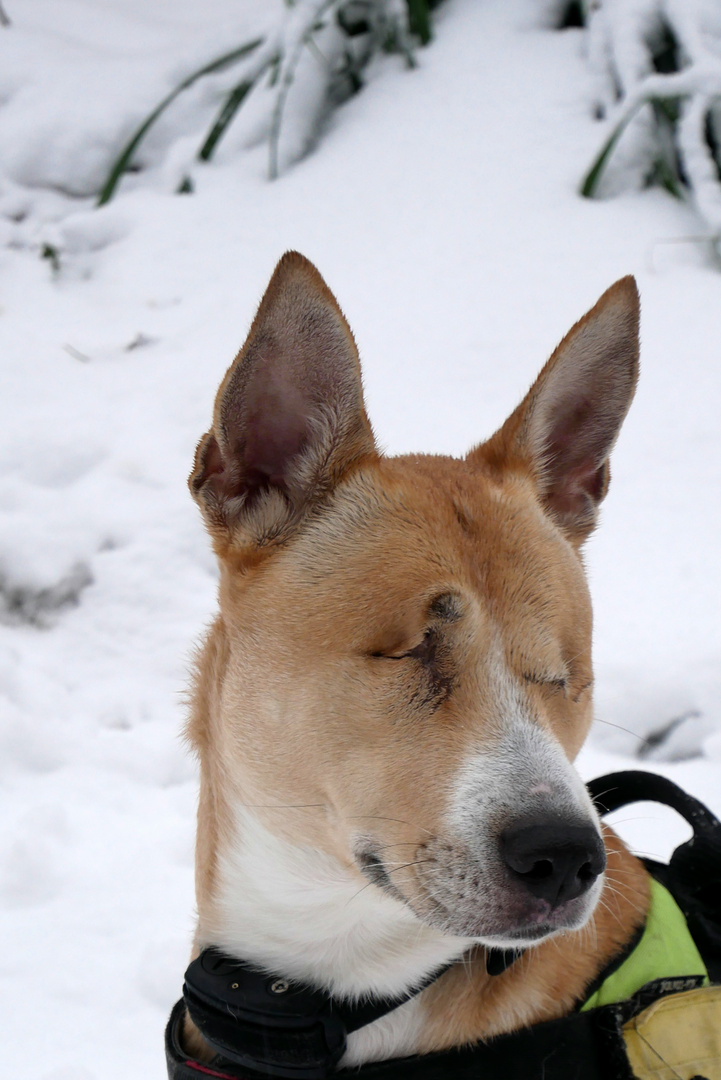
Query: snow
441,206
623,36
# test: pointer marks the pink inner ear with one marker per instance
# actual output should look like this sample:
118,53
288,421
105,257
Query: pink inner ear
276,431
569,493
212,461
574,454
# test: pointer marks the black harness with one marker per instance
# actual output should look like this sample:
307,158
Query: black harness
264,1025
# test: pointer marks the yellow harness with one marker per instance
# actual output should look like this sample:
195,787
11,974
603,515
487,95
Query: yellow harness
665,950
679,1036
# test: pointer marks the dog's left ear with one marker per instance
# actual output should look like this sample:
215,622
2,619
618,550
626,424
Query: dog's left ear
564,429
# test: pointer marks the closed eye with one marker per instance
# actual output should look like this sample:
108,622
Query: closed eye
444,609
431,664
555,682
418,652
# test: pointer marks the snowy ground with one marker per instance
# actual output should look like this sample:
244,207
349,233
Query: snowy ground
441,207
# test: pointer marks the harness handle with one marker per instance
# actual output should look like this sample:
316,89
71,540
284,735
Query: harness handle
693,874
614,790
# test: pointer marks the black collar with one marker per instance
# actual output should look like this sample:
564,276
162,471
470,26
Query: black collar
272,1025
275,1027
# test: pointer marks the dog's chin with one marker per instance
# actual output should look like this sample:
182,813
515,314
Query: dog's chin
519,939
514,924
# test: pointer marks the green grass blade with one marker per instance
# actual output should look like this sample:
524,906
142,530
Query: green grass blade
286,75
419,19
592,179
122,162
712,141
400,41
230,106
593,176
665,175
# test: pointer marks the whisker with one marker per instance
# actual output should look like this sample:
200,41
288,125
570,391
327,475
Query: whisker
639,817
602,904
468,962
600,795
618,727
636,851
362,889
381,817
282,806
405,843
619,870
618,893
390,871
403,866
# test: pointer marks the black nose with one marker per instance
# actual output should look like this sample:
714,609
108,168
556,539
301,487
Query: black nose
554,860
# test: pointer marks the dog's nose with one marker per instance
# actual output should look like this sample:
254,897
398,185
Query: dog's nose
554,860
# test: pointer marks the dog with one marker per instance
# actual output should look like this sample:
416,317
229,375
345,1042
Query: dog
388,705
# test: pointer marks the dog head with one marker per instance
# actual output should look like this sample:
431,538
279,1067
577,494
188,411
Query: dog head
403,656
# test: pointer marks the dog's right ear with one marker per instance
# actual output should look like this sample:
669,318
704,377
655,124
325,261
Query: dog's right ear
289,420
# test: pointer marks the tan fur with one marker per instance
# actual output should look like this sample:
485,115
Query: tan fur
337,566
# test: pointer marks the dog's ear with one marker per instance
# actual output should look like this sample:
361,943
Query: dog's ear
564,429
289,419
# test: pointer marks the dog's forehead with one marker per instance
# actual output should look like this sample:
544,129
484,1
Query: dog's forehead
413,528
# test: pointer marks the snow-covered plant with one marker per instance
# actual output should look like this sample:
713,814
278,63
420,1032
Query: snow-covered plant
342,36
657,67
